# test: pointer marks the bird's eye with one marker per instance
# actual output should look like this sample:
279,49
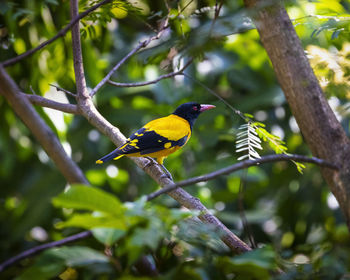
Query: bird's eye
195,108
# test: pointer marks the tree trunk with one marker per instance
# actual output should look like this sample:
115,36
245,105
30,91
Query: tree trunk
40,130
318,124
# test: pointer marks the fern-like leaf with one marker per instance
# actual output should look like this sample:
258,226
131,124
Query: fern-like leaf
248,141
274,141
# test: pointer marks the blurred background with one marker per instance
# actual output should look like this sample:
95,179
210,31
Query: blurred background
294,214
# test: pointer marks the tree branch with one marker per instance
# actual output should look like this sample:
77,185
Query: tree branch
141,45
71,171
140,84
44,102
89,111
322,131
35,250
242,165
40,130
64,90
82,93
173,186
61,33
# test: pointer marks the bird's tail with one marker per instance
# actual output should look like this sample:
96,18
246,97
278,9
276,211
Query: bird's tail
113,155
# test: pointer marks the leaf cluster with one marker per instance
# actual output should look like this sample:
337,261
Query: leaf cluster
293,218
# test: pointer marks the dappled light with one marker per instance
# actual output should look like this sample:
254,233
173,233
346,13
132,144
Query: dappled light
258,188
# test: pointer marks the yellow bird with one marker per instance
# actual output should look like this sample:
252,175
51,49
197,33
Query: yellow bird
160,137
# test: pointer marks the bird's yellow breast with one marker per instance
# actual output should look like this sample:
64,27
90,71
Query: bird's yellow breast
171,127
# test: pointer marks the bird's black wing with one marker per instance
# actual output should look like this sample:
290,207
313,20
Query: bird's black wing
148,141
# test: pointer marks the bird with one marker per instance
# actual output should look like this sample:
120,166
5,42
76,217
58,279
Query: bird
160,137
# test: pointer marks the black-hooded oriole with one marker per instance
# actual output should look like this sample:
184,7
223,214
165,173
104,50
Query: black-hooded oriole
160,137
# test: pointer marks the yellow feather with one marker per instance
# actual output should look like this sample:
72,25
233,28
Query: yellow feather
167,145
171,127
118,157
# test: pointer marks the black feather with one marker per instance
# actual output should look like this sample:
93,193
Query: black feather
188,111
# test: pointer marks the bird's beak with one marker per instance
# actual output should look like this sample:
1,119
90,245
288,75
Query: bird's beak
205,107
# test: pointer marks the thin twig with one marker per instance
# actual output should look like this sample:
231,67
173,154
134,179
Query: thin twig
236,111
41,131
207,177
216,15
32,90
185,7
242,165
44,102
120,63
64,90
35,250
140,84
167,6
244,219
60,33
90,112
141,45
81,89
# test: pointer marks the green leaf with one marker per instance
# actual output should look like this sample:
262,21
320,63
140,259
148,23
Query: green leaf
299,166
53,262
262,257
255,264
89,198
247,142
43,269
88,221
108,236
149,236
77,255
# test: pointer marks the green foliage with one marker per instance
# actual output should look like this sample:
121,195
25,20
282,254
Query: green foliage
247,140
87,198
257,264
293,218
274,141
53,262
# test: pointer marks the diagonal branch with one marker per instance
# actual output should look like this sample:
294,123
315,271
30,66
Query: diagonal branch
61,33
89,111
242,165
141,45
64,90
206,177
140,84
120,63
318,124
44,102
35,250
40,129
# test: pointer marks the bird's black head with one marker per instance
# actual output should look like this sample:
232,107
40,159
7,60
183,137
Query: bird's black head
191,110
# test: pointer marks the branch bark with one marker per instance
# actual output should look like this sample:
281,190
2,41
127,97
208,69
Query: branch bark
140,84
141,45
40,130
120,63
61,33
35,250
318,124
96,119
241,165
44,102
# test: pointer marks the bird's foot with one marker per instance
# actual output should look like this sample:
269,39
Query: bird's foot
167,173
